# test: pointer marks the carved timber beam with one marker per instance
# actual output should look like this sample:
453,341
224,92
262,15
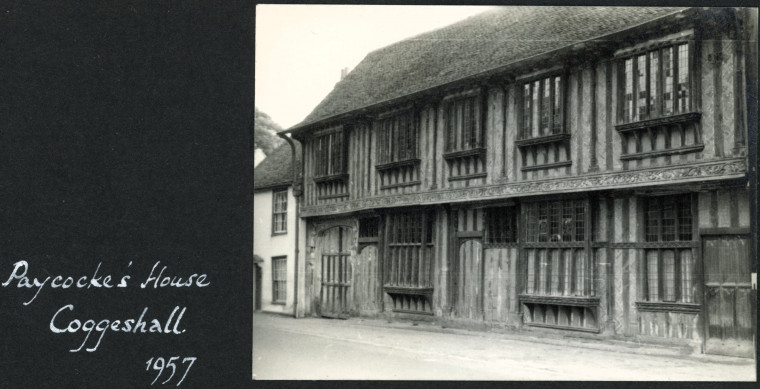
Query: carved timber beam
706,171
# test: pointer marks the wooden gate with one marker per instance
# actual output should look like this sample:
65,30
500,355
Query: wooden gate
468,301
336,273
729,298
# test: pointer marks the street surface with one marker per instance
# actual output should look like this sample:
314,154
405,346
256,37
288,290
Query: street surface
285,348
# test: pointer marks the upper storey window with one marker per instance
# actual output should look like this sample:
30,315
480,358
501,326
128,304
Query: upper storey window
397,137
465,147
330,164
397,149
330,155
656,112
542,107
463,129
657,83
543,139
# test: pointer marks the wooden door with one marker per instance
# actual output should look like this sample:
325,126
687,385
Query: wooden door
467,278
257,287
336,273
729,298
366,282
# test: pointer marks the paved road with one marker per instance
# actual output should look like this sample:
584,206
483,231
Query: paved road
324,349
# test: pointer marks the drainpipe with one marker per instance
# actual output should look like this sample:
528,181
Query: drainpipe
297,192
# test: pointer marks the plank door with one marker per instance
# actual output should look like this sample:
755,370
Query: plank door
257,287
366,281
728,296
336,273
469,267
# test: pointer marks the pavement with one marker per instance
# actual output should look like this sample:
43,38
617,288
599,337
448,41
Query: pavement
357,348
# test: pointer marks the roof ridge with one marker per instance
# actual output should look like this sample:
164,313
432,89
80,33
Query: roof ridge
475,45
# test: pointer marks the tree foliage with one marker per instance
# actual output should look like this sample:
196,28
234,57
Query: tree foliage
265,129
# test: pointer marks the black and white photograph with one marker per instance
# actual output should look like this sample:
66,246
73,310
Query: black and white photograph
505,193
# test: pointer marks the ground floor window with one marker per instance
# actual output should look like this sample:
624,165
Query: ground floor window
669,275
409,256
501,226
409,260
279,279
670,266
558,259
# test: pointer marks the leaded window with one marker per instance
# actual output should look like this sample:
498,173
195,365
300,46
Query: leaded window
656,83
669,218
330,155
501,225
670,267
542,107
397,137
463,130
555,221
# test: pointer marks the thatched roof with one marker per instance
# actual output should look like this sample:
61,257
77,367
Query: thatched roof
478,44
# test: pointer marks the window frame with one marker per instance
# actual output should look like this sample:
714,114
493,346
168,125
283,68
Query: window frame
283,213
574,202
389,126
477,126
583,272
504,219
279,285
656,254
540,78
328,164
406,229
659,100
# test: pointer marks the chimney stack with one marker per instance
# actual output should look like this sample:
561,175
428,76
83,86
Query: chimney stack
343,73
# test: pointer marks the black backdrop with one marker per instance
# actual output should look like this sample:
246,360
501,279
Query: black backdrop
126,136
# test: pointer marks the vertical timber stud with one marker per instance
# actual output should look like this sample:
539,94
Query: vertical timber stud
641,288
381,262
482,130
697,270
505,107
387,261
717,96
518,287
594,167
451,258
434,160
587,247
610,325
482,266
522,265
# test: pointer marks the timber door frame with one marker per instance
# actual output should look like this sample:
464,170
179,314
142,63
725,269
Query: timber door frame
718,232
457,240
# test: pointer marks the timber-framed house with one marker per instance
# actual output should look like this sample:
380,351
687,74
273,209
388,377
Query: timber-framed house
556,169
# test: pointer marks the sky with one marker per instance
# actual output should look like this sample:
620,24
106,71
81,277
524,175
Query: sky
301,49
